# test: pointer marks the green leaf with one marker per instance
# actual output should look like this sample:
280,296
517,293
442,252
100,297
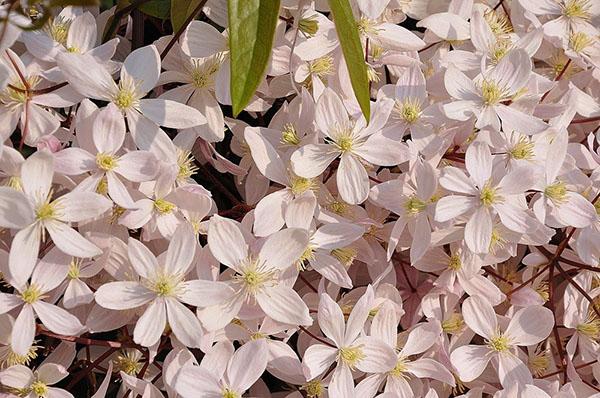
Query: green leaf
157,8
347,32
180,11
251,31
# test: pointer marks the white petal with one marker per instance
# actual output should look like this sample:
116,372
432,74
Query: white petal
24,253
460,86
109,129
311,160
184,323
70,241
283,248
317,359
15,210
171,114
57,319
452,206
201,293
530,325
21,341
265,157
514,120
181,250
478,231
138,166
383,151
454,179
202,40
192,381
269,213
141,258
87,76
330,112
143,66
226,241
123,295
81,206
151,324
429,368
478,160
283,304
17,376
352,180
470,361
331,319
379,356
36,175
480,316
248,364
512,371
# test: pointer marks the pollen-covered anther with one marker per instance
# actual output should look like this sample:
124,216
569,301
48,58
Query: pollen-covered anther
499,343
351,356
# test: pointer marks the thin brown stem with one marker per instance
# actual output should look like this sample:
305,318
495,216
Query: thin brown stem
308,332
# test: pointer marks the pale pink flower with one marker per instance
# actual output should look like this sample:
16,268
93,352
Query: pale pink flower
36,383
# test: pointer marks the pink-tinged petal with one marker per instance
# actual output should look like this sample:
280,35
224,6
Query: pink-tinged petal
482,36
383,151
543,7
283,248
379,356
352,180
478,160
331,269
421,338
24,253
395,37
519,180
300,211
151,324
15,210
77,293
109,129
36,175
432,369
57,319
143,260
17,376
216,317
8,302
311,160
513,217
149,137
137,166
171,114
82,33
512,371
530,325
118,191
248,364
480,317
461,110
385,324
269,213
576,211
335,235
226,242
283,304
317,359
265,157
192,381
514,120
202,293
342,382
421,238
454,179
40,122
103,388
70,241
358,316
397,387
331,319
330,112
51,373
372,8
123,295
143,66
81,206
74,161
479,285
478,231
54,392
202,40
470,361
21,342
512,72
460,86
447,26
182,248
184,323
453,206
87,75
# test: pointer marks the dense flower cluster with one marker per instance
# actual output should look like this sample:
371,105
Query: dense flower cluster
152,245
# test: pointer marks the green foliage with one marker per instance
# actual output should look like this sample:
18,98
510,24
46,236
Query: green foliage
251,31
180,11
157,8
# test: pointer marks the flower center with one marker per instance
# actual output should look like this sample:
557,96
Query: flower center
499,24
254,278
400,368
539,363
314,388
351,355
322,66
579,41
557,192
523,149
105,161
165,285
301,185
74,269
489,195
577,9
366,26
491,92
203,71
499,49
454,324
345,255
455,264
31,294
227,393
499,343
59,30
187,168
9,357
338,207
127,96
309,26
289,135
128,362
590,328
414,205
163,206
39,388
409,110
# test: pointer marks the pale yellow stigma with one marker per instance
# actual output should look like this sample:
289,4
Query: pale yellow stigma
489,195
372,74
203,71
74,269
491,92
39,388
453,324
10,358
455,263
127,96
299,185
345,255
289,135
165,285
539,363
590,328
343,138
313,389
15,183
580,41
31,294
499,343
227,393
102,187
46,211
163,206
351,356
254,278
58,29
577,9
338,207
366,26
499,24
322,66
414,206
400,369
543,290
309,26
408,110
128,361
557,192
106,161
499,49
597,207
187,167
523,150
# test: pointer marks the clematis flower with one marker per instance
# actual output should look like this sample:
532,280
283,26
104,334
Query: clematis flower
139,75
527,327
484,98
34,211
349,351
36,384
162,286
351,141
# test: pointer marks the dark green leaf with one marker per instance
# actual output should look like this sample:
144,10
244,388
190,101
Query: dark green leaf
347,32
157,8
251,30
181,10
